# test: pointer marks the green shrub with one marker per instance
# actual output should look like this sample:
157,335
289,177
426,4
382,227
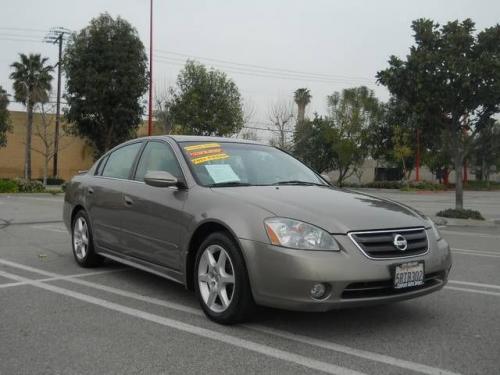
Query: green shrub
25,186
350,185
482,185
461,214
63,186
8,186
425,185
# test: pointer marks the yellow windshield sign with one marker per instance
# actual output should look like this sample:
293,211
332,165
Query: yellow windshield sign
205,152
204,159
202,146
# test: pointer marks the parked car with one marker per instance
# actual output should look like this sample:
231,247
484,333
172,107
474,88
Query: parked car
245,224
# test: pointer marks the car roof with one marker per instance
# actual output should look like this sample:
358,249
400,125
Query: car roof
198,138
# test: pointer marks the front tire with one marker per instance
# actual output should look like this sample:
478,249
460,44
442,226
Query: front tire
221,280
83,242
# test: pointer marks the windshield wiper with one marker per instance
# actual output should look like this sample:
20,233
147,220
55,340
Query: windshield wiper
229,183
298,182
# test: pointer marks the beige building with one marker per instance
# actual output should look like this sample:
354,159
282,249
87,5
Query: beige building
74,154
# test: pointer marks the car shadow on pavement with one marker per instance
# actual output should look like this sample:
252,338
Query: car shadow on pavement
342,322
348,322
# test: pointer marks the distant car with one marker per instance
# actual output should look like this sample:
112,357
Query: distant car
246,224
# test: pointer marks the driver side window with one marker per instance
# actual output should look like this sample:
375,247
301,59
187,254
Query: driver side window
157,156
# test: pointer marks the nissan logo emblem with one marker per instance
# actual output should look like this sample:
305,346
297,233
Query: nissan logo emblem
400,242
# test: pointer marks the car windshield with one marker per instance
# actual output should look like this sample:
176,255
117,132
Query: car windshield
244,164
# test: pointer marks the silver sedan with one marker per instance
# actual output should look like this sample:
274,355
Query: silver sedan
245,224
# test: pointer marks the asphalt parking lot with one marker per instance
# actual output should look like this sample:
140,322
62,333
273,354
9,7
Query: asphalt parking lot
57,318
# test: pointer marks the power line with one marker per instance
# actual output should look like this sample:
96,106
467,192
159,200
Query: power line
23,29
248,72
230,66
245,66
266,129
21,39
262,67
264,73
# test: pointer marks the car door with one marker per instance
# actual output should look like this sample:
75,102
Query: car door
105,202
154,220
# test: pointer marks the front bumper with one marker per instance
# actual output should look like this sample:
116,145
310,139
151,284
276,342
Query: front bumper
283,278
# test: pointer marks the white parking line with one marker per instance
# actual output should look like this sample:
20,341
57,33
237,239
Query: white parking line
481,285
417,367
195,330
49,228
8,285
68,277
483,235
475,253
473,291
385,359
478,251
44,199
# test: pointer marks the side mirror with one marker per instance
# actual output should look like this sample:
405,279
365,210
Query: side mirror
160,179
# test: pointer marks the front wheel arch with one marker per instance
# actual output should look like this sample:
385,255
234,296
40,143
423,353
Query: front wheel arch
199,235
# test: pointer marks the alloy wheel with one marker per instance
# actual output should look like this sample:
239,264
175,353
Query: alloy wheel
216,278
81,238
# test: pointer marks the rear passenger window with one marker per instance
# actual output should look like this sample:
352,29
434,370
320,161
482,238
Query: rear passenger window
120,161
157,156
101,165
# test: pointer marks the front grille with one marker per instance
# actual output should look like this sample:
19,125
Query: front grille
380,244
383,288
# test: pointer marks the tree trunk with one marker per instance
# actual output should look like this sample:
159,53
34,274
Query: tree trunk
459,187
27,149
45,170
342,173
300,114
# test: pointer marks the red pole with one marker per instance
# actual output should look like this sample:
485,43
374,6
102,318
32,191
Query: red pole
417,161
150,114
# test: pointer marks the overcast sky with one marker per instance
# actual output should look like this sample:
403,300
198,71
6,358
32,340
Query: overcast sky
340,44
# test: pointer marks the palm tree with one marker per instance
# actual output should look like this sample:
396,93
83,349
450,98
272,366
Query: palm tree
31,85
302,97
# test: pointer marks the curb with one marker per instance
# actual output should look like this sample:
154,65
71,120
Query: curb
465,222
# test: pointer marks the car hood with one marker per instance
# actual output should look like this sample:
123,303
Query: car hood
335,210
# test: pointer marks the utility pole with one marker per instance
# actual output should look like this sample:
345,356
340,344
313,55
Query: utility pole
57,36
417,161
150,114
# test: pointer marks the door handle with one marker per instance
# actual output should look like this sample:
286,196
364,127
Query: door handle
90,190
128,201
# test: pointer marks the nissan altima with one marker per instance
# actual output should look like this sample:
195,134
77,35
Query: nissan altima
245,224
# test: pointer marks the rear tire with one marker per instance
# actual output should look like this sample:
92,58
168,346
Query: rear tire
221,280
83,242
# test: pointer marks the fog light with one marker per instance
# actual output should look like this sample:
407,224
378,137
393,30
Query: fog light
318,291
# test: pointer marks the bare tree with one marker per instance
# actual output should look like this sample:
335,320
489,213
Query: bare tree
163,103
247,132
44,130
248,112
281,116
249,135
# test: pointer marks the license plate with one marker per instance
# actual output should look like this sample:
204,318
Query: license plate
408,275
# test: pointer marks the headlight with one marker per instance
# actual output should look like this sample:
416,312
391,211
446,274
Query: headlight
298,235
434,229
